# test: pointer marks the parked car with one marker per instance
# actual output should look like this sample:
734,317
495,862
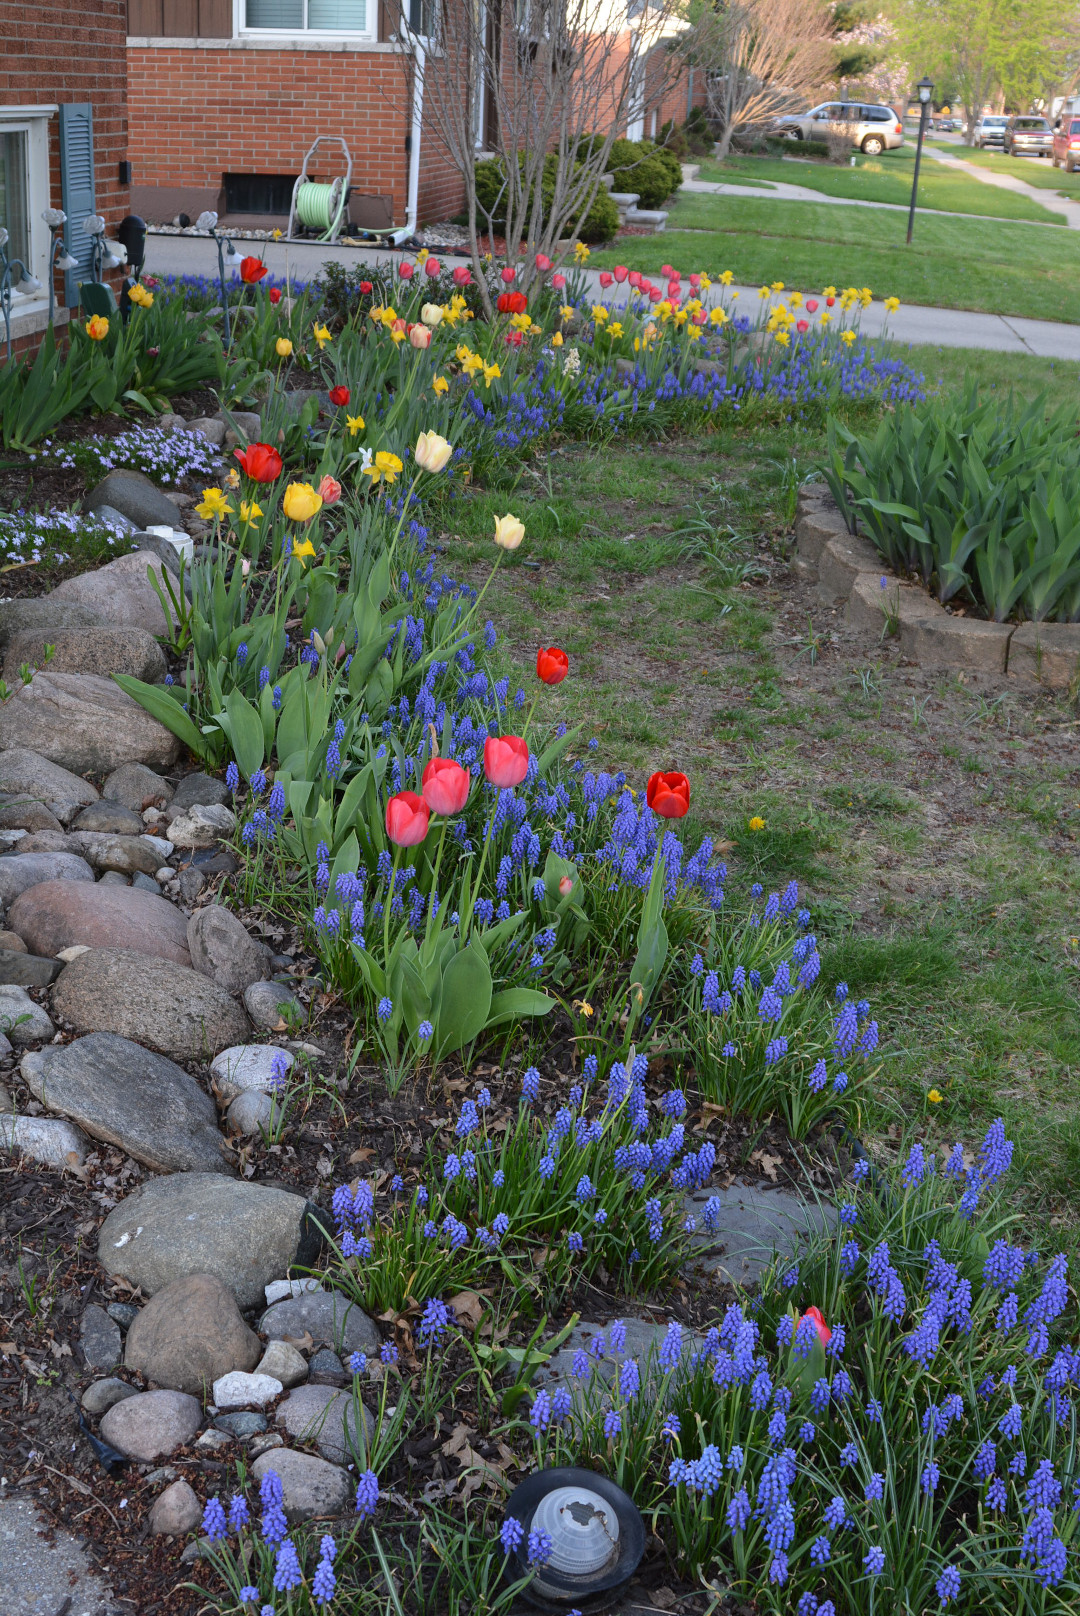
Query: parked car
945,125
872,129
1028,136
989,131
1065,151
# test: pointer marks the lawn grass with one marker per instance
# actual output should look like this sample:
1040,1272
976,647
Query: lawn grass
1037,171
1000,267
886,178
932,824
948,369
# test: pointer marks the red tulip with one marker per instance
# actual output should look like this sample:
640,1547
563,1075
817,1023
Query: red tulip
606,278
252,270
543,263
366,288
824,1333
801,326
405,270
340,396
829,301
514,339
811,304
506,760
633,276
511,302
462,276
700,317
654,294
559,282
274,294
666,269
445,786
261,461
431,267
508,275
407,817
668,795
621,272
552,665
695,281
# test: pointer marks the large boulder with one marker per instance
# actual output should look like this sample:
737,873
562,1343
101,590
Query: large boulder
132,1098
122,592
21,871
126,854
222,948
45,616
169,1007
198,790
203,1223
189,1334
109,649
33,775
65,914
151,1425
136,497
84,722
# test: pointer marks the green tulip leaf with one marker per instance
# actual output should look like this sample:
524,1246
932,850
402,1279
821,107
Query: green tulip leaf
466,999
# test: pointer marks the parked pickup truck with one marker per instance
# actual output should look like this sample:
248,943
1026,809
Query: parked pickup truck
1066,146
1028,136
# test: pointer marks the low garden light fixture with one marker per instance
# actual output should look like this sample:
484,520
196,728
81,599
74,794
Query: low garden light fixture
925,88
597,1538
59,257
15,281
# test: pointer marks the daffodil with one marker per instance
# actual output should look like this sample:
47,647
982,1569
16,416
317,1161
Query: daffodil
763,292
718,316
830,291
566,313
706,282
491,374
249,512
423,255
694,334
322,336
726,278
777,286
441,385
782,338
891,305
472,364
355,424
214,505
232,478
615,329
848,337
303,549
581,252
600,312
384,468
795,299
521,322
557,340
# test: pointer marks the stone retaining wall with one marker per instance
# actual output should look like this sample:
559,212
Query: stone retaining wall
848,571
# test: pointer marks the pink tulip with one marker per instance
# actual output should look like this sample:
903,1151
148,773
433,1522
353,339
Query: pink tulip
566,886
445,786
559,282
633,276
431,267
801,326
330,490
695,281
462,276
506,760
621,272
699,317
666,269
406,270
654,294
606,279
811,305
508,275
420,336
543,263
407,817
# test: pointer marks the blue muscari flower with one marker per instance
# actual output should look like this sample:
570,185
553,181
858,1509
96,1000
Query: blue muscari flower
540,1413
232,777
530,1085
849,1454
258,786
273,1524
1017,1465
848,1212
1043,1491
433,1322
367,1490
947,1585
874,1561
324,1583
213,1521
239,1515
820,1550
1011,1422
385,1008
931,1475
287,1572
1043,1549
816,1080
738,1511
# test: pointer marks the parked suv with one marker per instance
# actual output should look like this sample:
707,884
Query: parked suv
989,131
1066,147
1028,136
872,129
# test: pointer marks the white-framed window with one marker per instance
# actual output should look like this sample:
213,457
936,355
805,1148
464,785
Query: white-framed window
24,193
358,19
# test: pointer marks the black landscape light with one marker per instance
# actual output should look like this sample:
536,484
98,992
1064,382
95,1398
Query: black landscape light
597,1538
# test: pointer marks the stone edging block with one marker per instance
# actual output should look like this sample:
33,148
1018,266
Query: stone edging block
848,569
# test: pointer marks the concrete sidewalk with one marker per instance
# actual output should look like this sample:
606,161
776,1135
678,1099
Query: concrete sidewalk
944,328
781,191
1069,211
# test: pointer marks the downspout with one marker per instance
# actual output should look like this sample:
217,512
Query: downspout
413,204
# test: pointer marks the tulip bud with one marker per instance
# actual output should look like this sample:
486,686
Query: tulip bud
329,490
420,335
543,263
621,273
509,532
432,452
431,267
318,641
406,271
508,275
431,314
606,279
462,276
559,282
566,886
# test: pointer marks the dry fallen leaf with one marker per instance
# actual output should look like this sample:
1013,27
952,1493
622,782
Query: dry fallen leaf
364,1154
302,1343
467,1307
767,1163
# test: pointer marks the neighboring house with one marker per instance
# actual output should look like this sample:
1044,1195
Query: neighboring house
226,96
63,137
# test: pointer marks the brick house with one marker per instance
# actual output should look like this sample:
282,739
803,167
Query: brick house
63,137
225,96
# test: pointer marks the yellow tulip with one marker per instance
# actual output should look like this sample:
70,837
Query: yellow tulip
509,532
355,424
283,347
300,503
431,314
384,467
213,505
432,452
557,340
140,296
322,336
97,328
441,385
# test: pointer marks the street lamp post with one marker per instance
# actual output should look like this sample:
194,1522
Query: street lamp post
925,88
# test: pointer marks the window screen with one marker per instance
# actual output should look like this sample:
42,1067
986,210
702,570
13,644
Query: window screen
323,16
275,13
14,214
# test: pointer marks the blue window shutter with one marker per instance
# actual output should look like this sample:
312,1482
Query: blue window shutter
77,190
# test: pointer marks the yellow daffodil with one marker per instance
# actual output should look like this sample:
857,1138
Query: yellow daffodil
706,282
521,322
491,374
891,305
450,315
301,502
139,295
97,328
232,478
462,352
566,313
441,385
213,505
935,1096
600,312
534,330
615,329
795,299
826,318
398,332
302,550
726,278
734,295
694,333
423,255
277,232
509,532
557,340
848,337
756,823
830,291
777,286
584,1006
283,347
782,338
249,512
472,364
581,252
763,292
384,468
355,424
680,317
432,452
718,316
322,336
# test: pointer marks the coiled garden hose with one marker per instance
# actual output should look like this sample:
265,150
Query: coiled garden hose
319,207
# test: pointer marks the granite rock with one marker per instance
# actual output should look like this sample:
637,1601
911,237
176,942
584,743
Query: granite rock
109,649
57,915
21,871
136,787
169,1007
189,1334
85,723
222,948
310,1487
151,1425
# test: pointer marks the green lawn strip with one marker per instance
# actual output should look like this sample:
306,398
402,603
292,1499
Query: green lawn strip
998,268
1036,171
928,833
887,178
948,369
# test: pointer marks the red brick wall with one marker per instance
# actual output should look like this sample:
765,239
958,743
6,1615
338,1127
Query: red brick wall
197,114
74,52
